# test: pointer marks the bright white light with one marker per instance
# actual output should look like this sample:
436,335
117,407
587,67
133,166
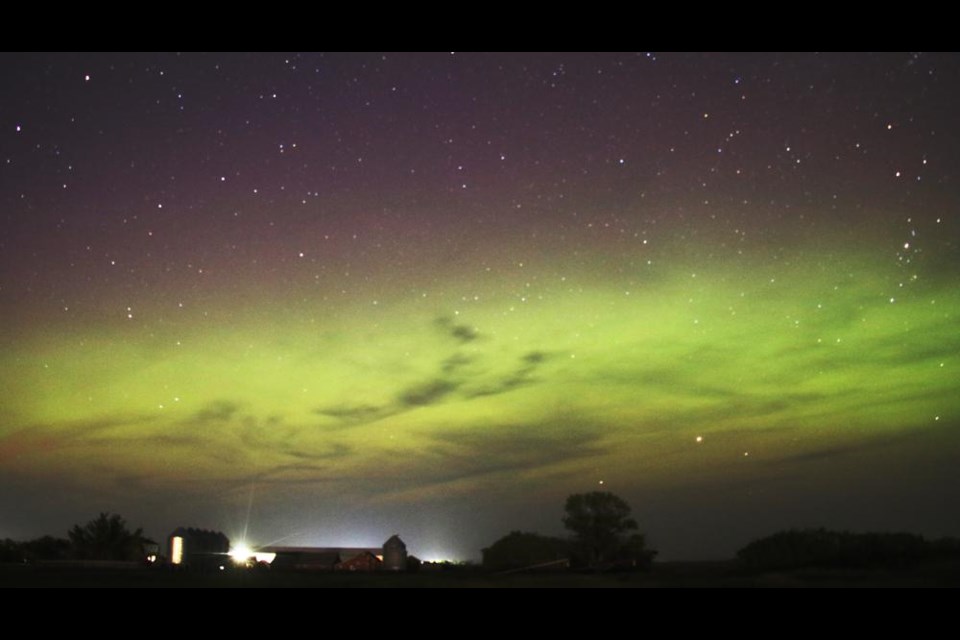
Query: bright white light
241,553
176,550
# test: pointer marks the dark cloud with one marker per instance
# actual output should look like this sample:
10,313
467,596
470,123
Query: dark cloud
295,474
521,376
352,413
45,437
898,353
460,332
220,411
864,397
511,444
535,357
502,386
427,392
131,482
910,348
454,377
934,436
336,451
821,454
455,363
172,440
244,438
746,405
463,333
460,454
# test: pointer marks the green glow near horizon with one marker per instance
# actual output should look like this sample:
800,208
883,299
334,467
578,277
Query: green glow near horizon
518,376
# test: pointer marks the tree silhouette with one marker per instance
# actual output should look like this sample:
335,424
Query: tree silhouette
599,521
106,538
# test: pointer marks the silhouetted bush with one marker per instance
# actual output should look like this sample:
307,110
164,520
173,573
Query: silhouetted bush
634,554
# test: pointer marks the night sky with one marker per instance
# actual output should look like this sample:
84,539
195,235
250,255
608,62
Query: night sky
434,294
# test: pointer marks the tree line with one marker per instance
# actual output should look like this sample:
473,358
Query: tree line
821,548
105,538
604,536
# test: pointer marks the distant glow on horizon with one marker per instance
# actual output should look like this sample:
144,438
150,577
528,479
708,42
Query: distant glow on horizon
440,556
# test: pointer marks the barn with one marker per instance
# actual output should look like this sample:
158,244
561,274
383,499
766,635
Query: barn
391,556
198,548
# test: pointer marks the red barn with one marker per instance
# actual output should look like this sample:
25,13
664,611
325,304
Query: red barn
365,561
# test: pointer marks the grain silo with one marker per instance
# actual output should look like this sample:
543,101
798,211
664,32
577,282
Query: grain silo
394,554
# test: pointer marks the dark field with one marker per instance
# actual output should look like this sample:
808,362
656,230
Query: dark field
687,574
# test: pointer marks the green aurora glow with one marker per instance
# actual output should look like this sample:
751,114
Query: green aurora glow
555,386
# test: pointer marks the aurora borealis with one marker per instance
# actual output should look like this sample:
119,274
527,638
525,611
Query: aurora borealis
434,294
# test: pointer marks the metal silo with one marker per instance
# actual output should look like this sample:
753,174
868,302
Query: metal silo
394,554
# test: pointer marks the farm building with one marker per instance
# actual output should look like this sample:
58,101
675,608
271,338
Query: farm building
391,556
394,554
198,548
366,561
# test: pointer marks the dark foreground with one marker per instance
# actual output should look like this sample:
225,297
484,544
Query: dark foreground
692,574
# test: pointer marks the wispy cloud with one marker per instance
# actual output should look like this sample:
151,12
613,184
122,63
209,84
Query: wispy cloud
426,393
460,332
